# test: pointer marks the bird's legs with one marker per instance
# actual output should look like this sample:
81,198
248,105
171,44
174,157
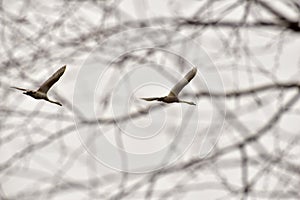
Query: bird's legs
187,102
56,102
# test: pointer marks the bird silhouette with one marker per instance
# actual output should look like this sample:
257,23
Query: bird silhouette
172,97
41,93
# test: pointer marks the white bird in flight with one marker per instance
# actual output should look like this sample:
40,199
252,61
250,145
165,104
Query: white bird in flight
41,93
173,95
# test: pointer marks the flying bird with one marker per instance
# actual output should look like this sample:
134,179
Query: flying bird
41,93
173,95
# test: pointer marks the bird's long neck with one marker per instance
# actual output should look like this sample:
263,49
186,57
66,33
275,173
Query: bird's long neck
160,98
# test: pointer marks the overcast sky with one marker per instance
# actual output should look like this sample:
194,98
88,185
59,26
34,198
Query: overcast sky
119,51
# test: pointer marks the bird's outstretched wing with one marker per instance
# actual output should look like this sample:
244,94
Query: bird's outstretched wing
151,98
52,80
183,82
22,89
